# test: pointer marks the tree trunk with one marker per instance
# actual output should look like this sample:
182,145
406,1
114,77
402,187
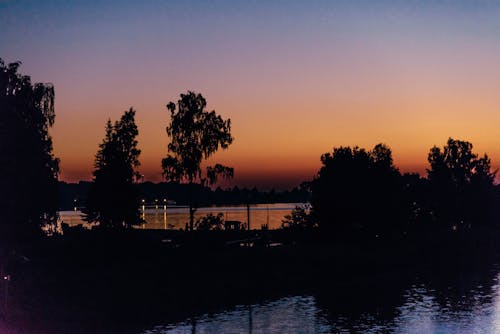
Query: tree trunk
191,216
248,216
191,210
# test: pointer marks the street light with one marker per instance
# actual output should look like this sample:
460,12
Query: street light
6,279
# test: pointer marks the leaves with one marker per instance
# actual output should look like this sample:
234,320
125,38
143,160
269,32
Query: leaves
457,164
210,222
195,134
461,183
219,170
30,169
356,188
300,218
113,200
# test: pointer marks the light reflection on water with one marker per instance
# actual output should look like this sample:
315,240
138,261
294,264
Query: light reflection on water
177,217
458,308
297,314
422,313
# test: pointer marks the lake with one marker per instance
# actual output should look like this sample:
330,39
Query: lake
458,301
175,217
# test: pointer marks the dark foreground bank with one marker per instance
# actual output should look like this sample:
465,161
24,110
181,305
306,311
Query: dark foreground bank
93,281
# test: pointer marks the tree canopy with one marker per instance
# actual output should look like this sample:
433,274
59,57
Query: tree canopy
299,218
195,135
210,222
356,189
461,183
113,199
29,168
458,165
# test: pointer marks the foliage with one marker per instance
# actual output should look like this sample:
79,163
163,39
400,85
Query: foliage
210,222
195,135
357,189
113,199
29,168
458,165
300,218
461,183
362,191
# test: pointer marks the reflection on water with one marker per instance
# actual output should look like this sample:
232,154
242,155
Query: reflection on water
297,314
173,217
450,303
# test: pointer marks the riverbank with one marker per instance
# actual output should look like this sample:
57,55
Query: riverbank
91,281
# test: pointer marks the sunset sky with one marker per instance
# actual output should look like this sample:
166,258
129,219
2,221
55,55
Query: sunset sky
296,77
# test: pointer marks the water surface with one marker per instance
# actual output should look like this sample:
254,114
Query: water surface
175,217
455,302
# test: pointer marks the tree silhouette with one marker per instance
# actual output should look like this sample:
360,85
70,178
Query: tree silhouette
461,183
195,135
210,222
113,199
299,219
358,190
29,169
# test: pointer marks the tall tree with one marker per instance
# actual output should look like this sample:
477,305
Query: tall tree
113,199
195,135
358,190
28,185
461,183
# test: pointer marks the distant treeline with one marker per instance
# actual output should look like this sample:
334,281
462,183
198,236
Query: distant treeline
75,194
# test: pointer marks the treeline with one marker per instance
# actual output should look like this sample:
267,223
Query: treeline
359,191
75,194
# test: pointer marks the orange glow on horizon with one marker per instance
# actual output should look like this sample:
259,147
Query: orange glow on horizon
273,148
296,80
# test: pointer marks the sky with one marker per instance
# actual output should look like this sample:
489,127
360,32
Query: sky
297,78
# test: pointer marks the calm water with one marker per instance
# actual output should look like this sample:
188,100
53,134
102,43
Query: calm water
177,217
459,302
